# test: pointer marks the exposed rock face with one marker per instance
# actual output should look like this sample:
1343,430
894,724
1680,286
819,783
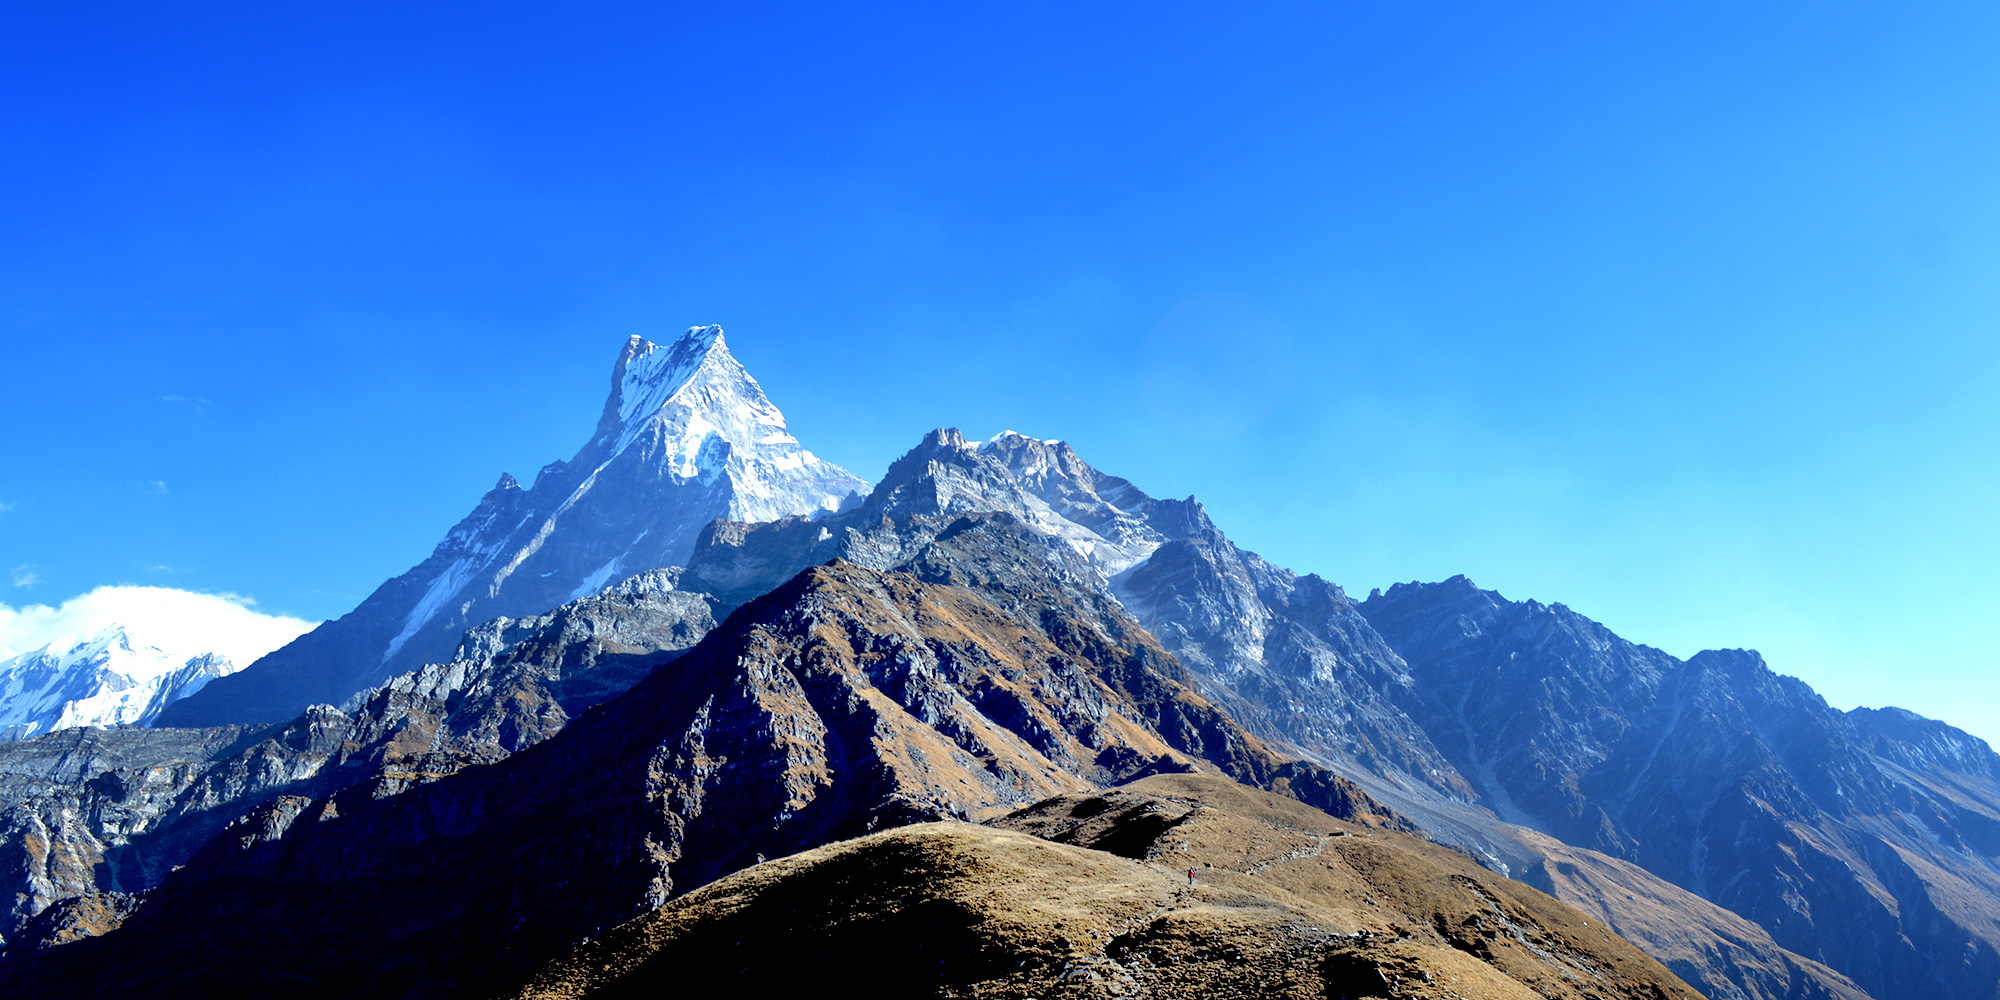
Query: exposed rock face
844,701
1043,485
1285,902
1926,745
1865,842
1292,657
108,679
71,793
97,814
1869,841
687,436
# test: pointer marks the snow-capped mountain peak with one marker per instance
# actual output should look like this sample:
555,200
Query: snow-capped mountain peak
686,418
686,436
106,679
694,413
1104,518
648,376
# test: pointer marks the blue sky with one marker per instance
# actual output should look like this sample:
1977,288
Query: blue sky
1685,317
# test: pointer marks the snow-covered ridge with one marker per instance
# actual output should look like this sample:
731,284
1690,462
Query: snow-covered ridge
1106,520
686,436
695,413
120,654
651,375
108,679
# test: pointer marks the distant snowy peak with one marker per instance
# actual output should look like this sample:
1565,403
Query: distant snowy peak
107,679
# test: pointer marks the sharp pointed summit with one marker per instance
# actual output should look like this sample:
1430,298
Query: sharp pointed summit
686,436
690,411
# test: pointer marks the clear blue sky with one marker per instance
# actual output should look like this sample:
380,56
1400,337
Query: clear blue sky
1683,315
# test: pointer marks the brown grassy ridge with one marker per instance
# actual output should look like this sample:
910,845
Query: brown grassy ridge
1087,895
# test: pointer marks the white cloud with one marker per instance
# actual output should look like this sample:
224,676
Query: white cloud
5,507
159,616
157,487
25,575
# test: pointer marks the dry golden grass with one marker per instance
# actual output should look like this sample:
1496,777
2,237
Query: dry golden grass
1286,901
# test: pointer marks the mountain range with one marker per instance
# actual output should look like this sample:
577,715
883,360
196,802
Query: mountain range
107,679
686,436
695,649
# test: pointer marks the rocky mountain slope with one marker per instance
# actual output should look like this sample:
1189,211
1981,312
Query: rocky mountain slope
1715,812
1086,895
1290,656
98,816
844,701
1868,841
108,679
1301,664
686,436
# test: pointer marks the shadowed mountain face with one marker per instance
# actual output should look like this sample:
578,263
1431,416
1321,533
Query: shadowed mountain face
845,701
1087,895
97,816
1477,742
1289,656
1864,841
687,436
1868,840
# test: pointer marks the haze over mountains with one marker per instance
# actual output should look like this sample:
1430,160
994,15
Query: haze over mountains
695,648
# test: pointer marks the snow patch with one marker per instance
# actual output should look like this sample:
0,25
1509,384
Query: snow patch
444,587
597,579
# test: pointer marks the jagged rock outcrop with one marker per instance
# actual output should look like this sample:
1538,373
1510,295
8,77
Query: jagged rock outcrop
1087,894
100,814
686,436
71,794
844,701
